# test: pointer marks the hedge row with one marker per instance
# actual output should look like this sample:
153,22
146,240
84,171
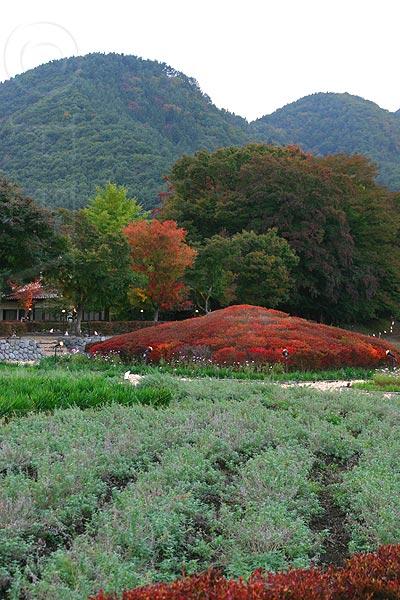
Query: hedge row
7,328
364,577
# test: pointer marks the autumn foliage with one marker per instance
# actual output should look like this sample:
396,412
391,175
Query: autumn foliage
251,334
26,294
363,577
160,254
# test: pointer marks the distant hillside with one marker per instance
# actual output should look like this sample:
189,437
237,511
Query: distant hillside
335,123
75,123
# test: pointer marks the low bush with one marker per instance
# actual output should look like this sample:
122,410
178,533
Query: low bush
371,576
250,336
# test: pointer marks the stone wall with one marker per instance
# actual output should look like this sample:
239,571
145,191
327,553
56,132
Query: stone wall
79,343
19,350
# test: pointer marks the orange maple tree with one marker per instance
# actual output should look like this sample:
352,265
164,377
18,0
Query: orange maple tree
25,294
160,253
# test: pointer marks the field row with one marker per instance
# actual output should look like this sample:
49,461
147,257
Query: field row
230,475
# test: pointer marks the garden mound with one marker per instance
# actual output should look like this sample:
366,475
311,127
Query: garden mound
364,576
250,335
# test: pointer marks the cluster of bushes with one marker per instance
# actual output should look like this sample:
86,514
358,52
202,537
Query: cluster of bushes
251,335
7,328
373,576
116,497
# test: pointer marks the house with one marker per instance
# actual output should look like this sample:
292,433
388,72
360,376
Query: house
33,302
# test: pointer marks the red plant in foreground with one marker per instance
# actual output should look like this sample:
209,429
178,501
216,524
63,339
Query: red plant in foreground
364,577
251,334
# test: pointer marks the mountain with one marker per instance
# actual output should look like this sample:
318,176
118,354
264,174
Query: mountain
75,123
72,124
339,123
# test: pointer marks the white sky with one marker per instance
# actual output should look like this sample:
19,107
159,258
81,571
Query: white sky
250,56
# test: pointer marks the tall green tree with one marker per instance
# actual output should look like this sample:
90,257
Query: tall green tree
110,210
342,225
247,269
95,269
263,267
29,243
210,278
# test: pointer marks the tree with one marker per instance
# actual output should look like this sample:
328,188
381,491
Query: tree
263,266
342,225
28,241
110,210
95,269
246,268
159,253
210,278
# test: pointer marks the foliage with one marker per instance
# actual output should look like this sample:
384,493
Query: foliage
79,122
388,381
28,243
251,335
225,476
372,576
160,254
244,268
339,123
26,391
113,363
341,224
110,210
76,123
210,279
25,294
94,272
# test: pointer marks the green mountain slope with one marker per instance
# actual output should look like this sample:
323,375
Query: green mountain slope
75,123
72,124
334,123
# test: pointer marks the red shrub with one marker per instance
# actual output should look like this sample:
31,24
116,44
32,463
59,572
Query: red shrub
364,577
241,334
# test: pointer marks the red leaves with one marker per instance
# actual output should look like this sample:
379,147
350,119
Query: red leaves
364,577
159,251
254,335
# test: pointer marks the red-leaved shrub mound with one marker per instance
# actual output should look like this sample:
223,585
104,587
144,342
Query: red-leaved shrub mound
251,334
364,577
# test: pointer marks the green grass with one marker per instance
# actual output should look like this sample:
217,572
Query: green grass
228,475
381,382
26,390
113,366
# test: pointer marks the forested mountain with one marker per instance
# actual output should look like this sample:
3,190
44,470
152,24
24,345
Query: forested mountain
75,123
339,123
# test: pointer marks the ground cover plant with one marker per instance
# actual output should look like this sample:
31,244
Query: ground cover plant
251,335
230,475
25,390
112,366
365,576
386,381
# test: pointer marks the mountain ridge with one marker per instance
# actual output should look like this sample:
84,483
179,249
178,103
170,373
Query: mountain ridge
75,123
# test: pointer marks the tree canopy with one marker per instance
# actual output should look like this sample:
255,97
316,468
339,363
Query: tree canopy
342,225
29,243
160,254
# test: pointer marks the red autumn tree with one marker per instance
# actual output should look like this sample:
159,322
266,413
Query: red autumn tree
159,252
26,294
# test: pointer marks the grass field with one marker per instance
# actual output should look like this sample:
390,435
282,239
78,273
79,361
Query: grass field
113,493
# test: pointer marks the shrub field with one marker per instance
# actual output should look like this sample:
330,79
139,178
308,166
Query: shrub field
230,476
251,335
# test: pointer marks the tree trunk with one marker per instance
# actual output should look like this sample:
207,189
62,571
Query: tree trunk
207,306
78,322
156,314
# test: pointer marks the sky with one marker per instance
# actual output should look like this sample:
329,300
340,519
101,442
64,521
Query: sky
250,56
